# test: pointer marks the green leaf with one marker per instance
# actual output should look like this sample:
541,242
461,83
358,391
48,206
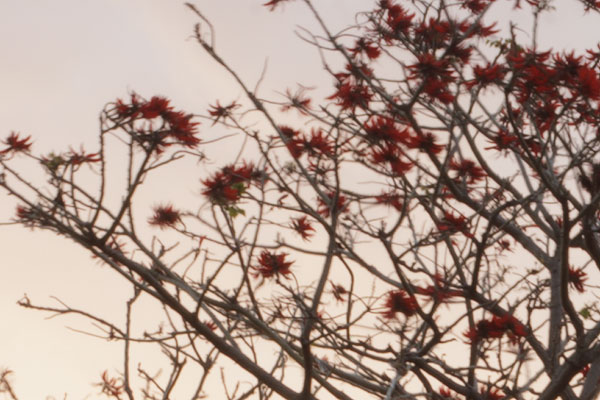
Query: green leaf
585,313
235,211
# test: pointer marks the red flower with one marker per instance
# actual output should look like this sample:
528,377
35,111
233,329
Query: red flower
272,264
476,6
503,245
354,73
479,30
165,217
400,301
589,84
76,158
451,223
157,106
576,278
110,386
496,328
503,141
124,110
487,75
297,101
227,186
16,144
385,129
291,138
510,324
303,227
182,128
218,111
390,199
366,47
351,96
210,325
585,370
567,66
484,329
273,4
459,52
468,170
392,154
438,90
435,33
428,66
339,292
318,143
26,215
491,394
425,142
287,132
446,394
326,208
439,291
398,20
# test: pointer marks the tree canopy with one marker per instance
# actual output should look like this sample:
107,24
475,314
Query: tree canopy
426,230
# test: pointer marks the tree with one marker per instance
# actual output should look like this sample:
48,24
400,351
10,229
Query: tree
425,231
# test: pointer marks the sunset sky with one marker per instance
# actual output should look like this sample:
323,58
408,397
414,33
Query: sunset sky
62,61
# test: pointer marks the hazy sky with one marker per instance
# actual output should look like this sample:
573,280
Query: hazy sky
62,60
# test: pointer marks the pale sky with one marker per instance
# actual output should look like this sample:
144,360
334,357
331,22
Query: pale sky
62,60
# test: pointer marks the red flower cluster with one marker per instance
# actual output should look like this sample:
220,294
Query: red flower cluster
385,129
446,394
576,278
165,217
491,394
303,227
467,170
435,74
391,154
273,4
71,159
16,144
496,328
326,207
218,111
228,185
398,301
77,158
439,291
339,292
177,126
297,101
451,223
318,144
392,199
272,265
476,6
27,216
297,144
111,386
487,75
425,142
398,20
352,90
503,141
351,95
365,47
292,140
